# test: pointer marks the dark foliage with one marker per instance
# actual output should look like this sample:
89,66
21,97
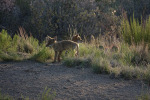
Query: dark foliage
67,17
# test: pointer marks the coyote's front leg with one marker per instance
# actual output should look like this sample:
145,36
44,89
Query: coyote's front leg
76,53
55,56
59,56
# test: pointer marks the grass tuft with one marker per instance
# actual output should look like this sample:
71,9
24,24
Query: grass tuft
47,94
144,97
73,62
101,66
43,55
22,46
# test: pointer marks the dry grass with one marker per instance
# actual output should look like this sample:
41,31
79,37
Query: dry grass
22,46
117,63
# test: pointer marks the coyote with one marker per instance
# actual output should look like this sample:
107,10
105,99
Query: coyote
77,38
60,46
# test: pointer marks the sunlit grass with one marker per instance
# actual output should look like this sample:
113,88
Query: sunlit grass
117,64
21,47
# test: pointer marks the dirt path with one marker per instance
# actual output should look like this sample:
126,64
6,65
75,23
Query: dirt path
30,78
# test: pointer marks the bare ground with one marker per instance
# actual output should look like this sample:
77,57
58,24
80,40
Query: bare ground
29,78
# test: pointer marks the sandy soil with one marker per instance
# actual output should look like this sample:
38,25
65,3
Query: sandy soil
29,78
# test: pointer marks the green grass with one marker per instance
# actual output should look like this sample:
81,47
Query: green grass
128,61
21,47
144,97
116,64
47,94
100,65
5,97
43,55
72,62
134,33
10,56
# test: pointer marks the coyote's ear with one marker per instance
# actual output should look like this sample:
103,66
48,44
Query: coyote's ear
48,36
55,37
76,35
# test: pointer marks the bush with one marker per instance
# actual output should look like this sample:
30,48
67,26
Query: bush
117,64
5,41
101,66
22,47
77,62
135,33
43,55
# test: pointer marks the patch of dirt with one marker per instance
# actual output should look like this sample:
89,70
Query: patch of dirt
29,78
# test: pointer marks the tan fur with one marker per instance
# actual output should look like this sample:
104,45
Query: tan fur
77,38
60,46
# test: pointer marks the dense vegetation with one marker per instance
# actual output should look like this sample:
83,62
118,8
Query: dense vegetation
22,46
116,33
122,29
66,17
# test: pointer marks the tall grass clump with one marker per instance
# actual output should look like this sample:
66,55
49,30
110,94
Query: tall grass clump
83,58
128,62
77,62
6,42
43,55
47,94
101,65
8,47
89,56
135,32
137,35
22,46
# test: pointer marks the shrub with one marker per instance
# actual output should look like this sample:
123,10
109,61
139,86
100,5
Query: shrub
146,75
77,62
5,41
22,47
101,66
130,73
10,56
135,33
43,55
117,64
28,48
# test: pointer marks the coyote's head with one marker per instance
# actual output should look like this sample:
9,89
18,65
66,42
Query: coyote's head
77,38
50,41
